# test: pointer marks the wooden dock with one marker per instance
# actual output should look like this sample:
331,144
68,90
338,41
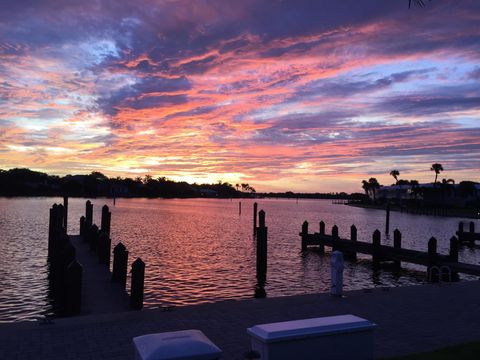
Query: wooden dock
467,237
438,266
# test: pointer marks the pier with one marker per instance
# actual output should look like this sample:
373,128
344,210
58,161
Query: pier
438,265
467,237
79,267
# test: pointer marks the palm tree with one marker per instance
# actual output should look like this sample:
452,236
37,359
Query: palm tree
365,186
374,185
395,174
437,168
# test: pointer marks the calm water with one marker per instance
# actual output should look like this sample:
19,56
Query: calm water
201,250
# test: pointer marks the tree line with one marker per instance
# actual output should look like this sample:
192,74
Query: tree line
26,182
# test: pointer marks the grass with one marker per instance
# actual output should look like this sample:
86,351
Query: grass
467,351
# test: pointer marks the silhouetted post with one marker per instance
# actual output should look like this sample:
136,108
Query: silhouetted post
321,232
454,246
352,255
376,241
460,227
120,263
239,208
136,290
322,228
106,219
334,237
304,234
93,237
387,221
432,259
397,244
262,231
103,252
82,226
89,212
74,288
255,207
472,227
65,216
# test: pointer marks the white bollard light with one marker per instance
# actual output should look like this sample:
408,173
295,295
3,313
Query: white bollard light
336,267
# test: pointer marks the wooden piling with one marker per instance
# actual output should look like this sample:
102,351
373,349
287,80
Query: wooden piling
387,220
334,237
352,255
137,284
89,212
321,230
106,219
472,227
304,234
255,207
120,263
262,249
460,227
376,241
65,215
103,250
82,226
93,237
74,288
397,244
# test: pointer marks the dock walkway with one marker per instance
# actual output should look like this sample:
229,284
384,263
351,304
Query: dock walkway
99,293
410,319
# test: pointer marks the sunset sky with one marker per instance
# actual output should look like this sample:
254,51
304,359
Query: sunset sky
297,95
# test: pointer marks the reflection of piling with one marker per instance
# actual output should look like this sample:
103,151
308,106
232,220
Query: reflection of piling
262,231
397,244
255,207
239,208
120,263
136,290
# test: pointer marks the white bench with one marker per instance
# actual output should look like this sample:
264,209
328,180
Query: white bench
333,337
176,345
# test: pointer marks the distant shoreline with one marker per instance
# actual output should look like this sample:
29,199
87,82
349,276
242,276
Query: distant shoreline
460,213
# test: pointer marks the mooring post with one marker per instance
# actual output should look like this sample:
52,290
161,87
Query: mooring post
262,247
65,215
104,243
106,219
304,234
472,227
387,221
93,237
82,226
120,263
137,285
460,227
432,260
352,255
454,247
321,232
397,244
89,212
74,288
376,241
334,238
255,207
